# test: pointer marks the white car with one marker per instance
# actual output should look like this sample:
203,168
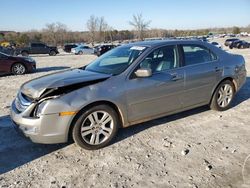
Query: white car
80,50
216,44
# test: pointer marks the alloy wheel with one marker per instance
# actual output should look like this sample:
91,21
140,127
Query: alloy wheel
18,69
97,127
225,95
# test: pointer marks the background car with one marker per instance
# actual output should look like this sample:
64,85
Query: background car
37,48
243,44
67,47
228,42
7,50
216,44
101,49
16,65
82,49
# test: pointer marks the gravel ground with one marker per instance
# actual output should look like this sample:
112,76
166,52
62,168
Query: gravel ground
197,148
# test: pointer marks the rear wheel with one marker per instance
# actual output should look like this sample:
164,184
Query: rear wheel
80,53
18,69
223,96
96,127
24,53
52,53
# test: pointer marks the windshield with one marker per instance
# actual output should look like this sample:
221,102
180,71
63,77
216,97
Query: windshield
117,60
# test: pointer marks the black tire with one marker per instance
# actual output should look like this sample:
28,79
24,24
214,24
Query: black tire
18,69
52,53
80,53
214,105
84,140
25,53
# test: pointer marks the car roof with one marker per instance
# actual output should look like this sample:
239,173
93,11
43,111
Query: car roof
155,43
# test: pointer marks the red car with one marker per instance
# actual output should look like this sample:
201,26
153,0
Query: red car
16,65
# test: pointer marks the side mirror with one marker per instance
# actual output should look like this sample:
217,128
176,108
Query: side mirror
143,72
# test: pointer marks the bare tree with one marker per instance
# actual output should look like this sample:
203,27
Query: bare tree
102,28
92,25
140,25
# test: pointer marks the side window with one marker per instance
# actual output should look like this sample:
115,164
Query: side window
195,54
161,59
37,45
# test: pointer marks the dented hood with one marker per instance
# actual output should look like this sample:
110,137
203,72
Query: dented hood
41,86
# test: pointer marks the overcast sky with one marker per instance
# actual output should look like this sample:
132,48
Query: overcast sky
25,15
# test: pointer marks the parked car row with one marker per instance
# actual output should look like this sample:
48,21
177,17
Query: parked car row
80,49
237,43
101,49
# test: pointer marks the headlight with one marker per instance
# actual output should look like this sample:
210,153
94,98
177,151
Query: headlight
30,60
39,108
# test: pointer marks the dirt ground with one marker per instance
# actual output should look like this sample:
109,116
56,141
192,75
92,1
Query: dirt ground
197,148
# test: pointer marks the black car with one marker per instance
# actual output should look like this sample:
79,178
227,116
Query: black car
243,44
101,49
228,42
239,44
9,50
67,47
37,48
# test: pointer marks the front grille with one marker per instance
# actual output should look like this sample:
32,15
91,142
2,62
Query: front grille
22,102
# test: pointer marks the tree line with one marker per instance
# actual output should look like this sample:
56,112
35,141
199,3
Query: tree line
98,31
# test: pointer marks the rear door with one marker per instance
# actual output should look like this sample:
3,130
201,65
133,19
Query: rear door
4,63
39,48
160,93
202,71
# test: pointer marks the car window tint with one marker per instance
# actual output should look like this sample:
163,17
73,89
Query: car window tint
161,59
195,54
37,45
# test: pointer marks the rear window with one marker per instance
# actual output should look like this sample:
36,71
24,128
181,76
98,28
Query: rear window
196,54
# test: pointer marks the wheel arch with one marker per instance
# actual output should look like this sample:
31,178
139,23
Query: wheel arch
26,51
102,102
17,62
224,79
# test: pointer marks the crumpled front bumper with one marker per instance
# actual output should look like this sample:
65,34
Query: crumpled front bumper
47,129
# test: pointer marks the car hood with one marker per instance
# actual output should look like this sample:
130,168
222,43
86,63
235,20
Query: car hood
28,59
61,82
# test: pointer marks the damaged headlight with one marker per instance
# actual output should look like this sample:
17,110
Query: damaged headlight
41,105
40,108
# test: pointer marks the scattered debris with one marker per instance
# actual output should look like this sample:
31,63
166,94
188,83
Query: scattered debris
234,150
208,165
185,152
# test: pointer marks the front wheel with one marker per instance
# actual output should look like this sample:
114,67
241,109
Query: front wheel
18,69
96,127
223,96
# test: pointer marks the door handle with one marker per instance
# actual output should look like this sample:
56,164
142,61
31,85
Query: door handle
217,69
176,77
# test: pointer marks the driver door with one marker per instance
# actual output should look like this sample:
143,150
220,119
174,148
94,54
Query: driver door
159,94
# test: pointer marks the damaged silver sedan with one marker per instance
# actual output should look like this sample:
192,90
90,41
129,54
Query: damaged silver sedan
130,84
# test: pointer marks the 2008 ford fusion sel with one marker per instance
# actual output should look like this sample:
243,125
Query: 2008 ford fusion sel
130,84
